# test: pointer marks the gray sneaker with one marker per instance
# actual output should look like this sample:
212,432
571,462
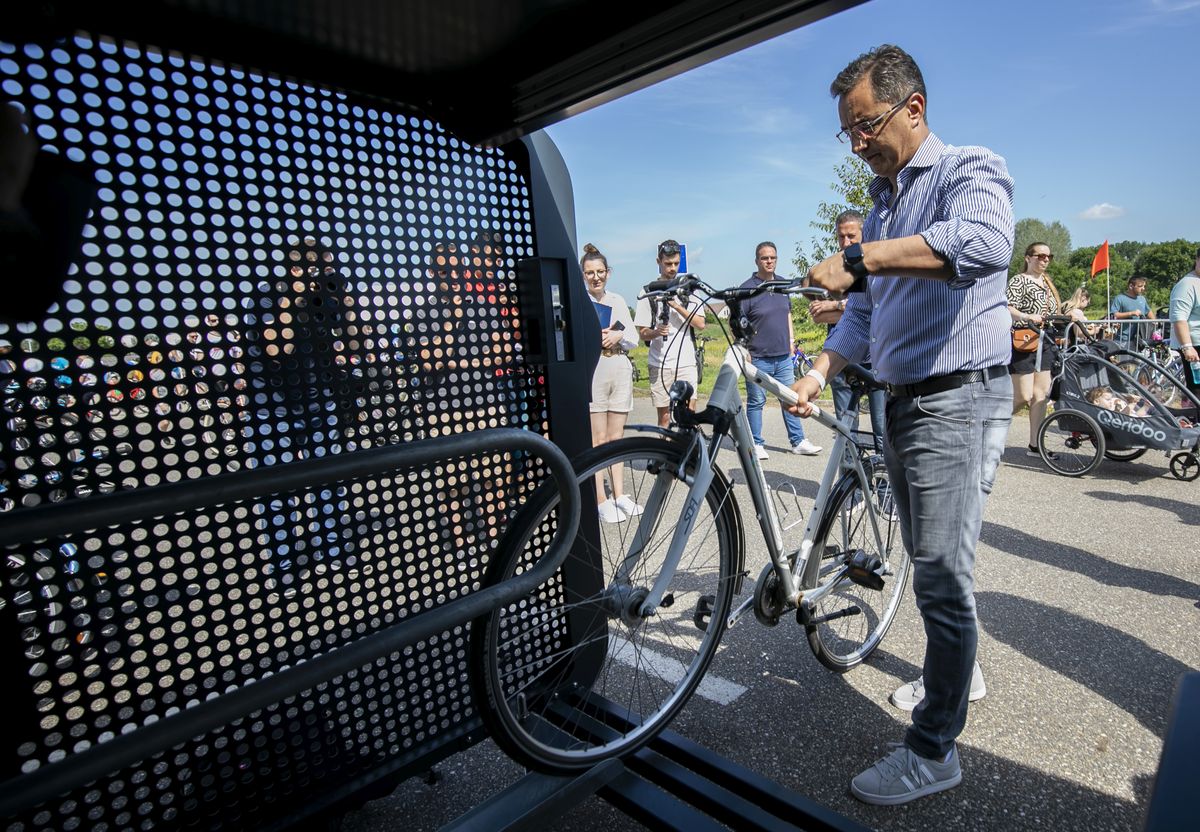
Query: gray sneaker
902,776
910,694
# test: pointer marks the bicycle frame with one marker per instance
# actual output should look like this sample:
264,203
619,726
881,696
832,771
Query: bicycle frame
788,567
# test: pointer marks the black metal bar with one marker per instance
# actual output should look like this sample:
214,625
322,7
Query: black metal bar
709,796
675,750
56,520
535,800
42,784
655,809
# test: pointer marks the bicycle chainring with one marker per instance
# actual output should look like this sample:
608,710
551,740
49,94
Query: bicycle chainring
769,601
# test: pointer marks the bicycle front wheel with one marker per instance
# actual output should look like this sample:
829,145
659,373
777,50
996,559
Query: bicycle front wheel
574,672
849,622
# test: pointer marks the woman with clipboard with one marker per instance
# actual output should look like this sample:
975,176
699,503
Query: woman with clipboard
612,383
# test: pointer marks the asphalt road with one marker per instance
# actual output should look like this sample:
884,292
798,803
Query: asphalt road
1089,605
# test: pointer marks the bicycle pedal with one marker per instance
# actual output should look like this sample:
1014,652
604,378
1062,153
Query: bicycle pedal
704,611
863,568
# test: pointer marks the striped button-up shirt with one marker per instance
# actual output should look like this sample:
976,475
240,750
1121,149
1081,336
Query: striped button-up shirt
960,200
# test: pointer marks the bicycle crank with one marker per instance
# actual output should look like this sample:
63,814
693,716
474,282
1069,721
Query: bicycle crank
809,621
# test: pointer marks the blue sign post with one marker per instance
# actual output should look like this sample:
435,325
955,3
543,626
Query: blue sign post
682,259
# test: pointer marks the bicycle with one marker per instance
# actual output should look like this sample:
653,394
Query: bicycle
801,363
700,341
568,680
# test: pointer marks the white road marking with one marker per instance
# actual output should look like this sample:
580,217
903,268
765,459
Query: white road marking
712,687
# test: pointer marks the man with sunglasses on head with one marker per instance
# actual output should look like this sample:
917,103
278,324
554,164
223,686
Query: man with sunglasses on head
672,347
927,302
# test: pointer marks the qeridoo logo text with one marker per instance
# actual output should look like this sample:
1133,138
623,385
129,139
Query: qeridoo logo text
1138,427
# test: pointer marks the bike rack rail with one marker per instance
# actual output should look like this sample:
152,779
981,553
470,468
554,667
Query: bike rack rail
33,788
671,784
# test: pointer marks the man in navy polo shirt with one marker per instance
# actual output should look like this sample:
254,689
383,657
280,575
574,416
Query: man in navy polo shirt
771,351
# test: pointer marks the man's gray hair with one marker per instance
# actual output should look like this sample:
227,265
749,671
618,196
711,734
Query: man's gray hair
893,72
765,244
849,215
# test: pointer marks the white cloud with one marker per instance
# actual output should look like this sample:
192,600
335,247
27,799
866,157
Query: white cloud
1173,6
1103,211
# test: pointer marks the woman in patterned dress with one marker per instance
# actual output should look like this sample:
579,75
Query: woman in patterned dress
1031,297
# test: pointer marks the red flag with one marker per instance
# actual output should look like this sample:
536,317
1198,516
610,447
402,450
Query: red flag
1100,261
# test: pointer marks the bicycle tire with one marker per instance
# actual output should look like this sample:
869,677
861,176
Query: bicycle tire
1156,380
1124,454
840,639
538,665
1071,443
699,366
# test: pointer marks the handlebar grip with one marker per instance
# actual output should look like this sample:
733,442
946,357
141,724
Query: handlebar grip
661,285
865,376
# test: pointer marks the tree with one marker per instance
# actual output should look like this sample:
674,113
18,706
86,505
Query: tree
853,180
1030,231
1162,264
1129,249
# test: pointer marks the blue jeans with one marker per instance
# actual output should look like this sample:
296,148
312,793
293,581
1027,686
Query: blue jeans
778,367
942,453
844,399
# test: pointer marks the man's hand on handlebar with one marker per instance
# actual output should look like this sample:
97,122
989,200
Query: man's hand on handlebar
807,390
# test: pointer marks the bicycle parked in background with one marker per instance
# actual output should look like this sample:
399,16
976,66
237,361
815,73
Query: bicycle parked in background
801,363
567,680
701,340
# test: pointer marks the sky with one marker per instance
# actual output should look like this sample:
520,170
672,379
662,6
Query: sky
1094,105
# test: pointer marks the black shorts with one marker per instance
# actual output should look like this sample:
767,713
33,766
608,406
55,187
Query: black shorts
1022,362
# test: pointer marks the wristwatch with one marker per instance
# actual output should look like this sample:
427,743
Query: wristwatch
852,259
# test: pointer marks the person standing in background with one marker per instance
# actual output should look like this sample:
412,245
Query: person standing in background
1185,323
612,382
770,316
1130,305
848,227
1031,297
672,355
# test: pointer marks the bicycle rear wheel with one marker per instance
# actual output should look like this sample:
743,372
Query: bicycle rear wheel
846,626
573,673
1156,380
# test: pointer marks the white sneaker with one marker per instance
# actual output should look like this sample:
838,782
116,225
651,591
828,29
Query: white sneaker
806,448
910,694
628,506
609,512
761,452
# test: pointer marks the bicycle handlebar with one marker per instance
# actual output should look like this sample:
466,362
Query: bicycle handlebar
686,283
864,375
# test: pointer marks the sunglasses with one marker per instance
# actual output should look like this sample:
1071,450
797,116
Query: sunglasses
1046,257
668,249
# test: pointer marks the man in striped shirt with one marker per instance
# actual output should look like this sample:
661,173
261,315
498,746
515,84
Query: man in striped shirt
927,301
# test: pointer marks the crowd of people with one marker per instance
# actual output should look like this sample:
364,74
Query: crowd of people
1031,297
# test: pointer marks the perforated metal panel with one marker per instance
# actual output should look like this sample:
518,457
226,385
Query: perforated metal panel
272,272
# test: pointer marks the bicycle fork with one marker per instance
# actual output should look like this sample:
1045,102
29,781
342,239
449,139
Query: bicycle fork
698,485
